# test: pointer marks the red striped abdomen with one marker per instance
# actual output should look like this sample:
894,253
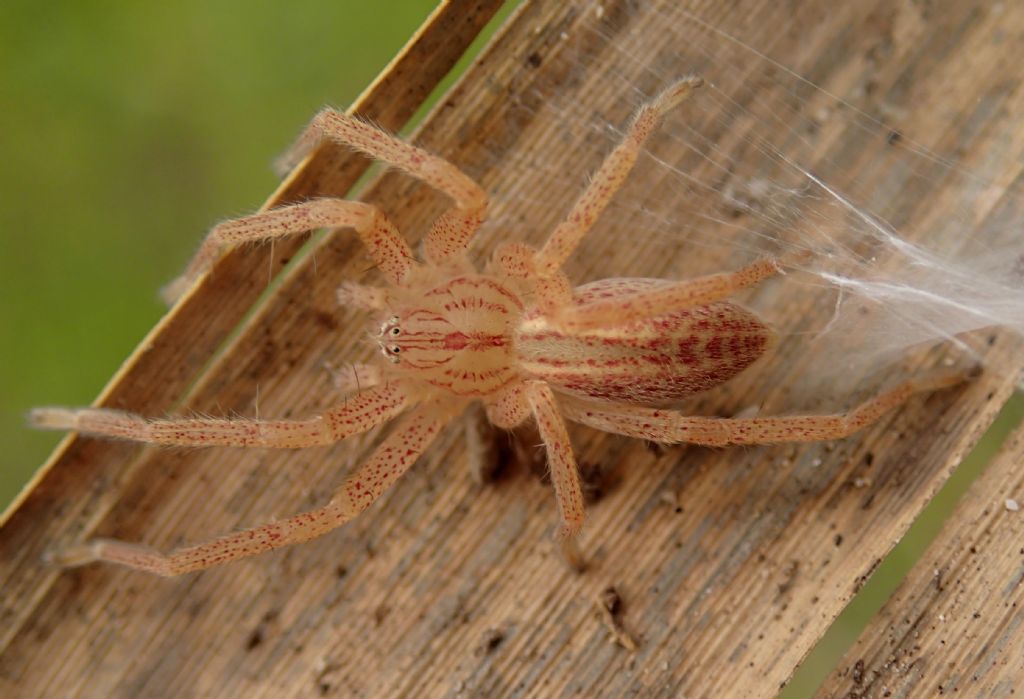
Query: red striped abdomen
649,361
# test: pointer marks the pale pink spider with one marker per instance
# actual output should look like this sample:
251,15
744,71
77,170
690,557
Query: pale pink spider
517,337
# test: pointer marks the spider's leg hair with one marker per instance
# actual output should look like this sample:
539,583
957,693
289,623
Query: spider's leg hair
670,427
666,298
412,435
450,235
609,177
386,246
564,473
360,413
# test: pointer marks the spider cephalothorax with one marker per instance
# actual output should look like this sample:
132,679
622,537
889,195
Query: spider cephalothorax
456,337
517,337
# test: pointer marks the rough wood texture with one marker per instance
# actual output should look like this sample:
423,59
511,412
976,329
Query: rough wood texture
956,624
730,563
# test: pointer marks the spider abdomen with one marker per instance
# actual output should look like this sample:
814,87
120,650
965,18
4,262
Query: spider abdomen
649,361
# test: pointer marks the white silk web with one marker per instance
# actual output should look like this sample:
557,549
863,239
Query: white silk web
897,168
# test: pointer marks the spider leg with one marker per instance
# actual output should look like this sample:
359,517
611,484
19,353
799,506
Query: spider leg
670,427
358,414
565,475
392,458
388,249
543,268
552,293
665,299
450,235
609,178
510,409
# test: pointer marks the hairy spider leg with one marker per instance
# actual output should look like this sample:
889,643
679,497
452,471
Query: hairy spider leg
553,295
609,178
670,427
392,458
448,238
358,414
565,475
658,301
543,268
450,235
387,247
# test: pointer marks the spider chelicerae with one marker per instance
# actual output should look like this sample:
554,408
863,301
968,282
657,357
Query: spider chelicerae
517,337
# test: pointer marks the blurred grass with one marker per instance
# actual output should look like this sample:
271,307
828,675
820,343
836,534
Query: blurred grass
849,625
127,130
886,578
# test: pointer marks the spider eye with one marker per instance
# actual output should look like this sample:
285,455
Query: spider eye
390,353
390,327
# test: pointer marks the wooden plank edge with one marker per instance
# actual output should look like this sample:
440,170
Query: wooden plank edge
375,102
956,622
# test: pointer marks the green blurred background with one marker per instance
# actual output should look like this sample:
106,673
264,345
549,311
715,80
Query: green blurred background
127,129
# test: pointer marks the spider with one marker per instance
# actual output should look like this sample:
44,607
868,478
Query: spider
517,337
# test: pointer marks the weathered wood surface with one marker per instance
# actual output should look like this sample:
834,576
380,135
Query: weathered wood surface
731,563
956,624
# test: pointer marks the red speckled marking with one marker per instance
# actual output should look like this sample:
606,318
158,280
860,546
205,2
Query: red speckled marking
615,305
393,457
508,408
670,427
387,247
607,180
650,361
451,233
358,414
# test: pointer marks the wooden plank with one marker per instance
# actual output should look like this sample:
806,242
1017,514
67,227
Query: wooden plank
176,351
956,624
170,358
446,587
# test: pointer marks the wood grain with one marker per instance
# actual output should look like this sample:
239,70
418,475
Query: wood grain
956,624
730,564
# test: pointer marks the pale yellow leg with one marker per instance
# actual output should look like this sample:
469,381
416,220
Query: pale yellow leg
358,414
451,233
393,457
669,427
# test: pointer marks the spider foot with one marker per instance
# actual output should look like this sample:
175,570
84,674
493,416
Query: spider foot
75,556
52,418
113,551
572,554
674,94
957,373
175,289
